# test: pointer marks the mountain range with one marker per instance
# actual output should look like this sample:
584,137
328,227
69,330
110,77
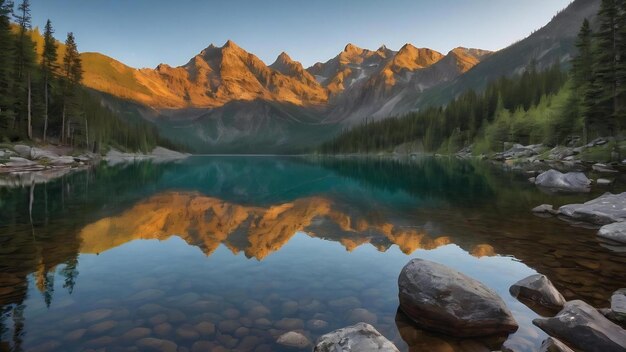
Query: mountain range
227,100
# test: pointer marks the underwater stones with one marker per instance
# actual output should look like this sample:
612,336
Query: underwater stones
538,289
231,313
202,346
568,182
102,327
444,300
289,324
262,323
293,339
583,327
618,305
345,303
205,328
136,334
146,295
553,345
163,329
544,209
258,312
316,324
96,315
606,209
359,337
362,315
187,332
228,326
153,344
75,335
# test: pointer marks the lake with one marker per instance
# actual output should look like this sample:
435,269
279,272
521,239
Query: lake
227,253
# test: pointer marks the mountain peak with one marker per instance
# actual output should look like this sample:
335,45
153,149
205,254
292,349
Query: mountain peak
350,48
284,57
230,44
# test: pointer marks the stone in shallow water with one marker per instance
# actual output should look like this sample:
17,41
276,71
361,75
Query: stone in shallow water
102,327
152,344
258,312
361,315
136,334
293,339
441,299
187,332
289,324
553,345
538,289
316,324
606,209
163,329
228,326
146,295
356,338
583,327
96,315
345,303
205,328
618,305
569,182
614,232
75,335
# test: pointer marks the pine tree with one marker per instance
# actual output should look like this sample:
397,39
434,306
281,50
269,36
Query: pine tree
7,56
582,75
72,75
25,63
602,93
48,67
621,69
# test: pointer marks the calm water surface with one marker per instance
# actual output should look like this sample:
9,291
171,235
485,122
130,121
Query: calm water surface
227,253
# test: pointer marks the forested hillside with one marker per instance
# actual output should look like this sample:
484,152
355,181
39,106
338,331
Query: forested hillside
41,96
551,106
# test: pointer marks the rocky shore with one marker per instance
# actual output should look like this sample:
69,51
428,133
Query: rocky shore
25,165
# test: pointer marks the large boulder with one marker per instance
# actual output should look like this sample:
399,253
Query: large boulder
23,151
442,299
38,154
553,345
618,305
16,161
538,289
570,182
614,232
356,338
584,328
606,209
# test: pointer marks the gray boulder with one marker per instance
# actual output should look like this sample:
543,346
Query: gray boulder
606,209
356,338
603,168
553,345
16,161
538,289
584,328
614,232
441,299
38,154
618,305
603,182
23,151
544,209
293,339
569,182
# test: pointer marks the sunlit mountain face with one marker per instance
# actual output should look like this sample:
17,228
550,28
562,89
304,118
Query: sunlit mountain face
257,246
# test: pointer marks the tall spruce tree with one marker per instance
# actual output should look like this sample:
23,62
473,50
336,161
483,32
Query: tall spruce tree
602,93
582,76
72,75
25,63
48,67
7,52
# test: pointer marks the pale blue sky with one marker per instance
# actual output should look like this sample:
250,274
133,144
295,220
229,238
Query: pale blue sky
144,33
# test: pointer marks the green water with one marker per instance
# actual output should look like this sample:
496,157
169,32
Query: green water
227,253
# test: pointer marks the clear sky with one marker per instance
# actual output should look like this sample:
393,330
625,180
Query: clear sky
144,33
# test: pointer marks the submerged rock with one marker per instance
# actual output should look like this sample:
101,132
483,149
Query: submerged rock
583,327
603,168
618,305
544,209
293,339
614,232
603,182
553,345
569,182
538,289
441,299
356,338
606,209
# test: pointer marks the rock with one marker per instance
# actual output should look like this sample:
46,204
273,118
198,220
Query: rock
152,344
23,151
356,338
205,328
136,334
553,345
603,168
441,299
187,332
16,161
519,151
289,324
359,315
345,303
62,161
618,304
606,209
532,180
583,327
294,339
538,289
614,232
316,324
102,327
544,209
38,154
96,315
603,182
569,182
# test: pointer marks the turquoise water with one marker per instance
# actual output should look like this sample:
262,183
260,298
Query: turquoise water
227,253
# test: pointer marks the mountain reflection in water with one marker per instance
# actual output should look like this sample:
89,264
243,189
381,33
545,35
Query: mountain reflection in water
73,250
